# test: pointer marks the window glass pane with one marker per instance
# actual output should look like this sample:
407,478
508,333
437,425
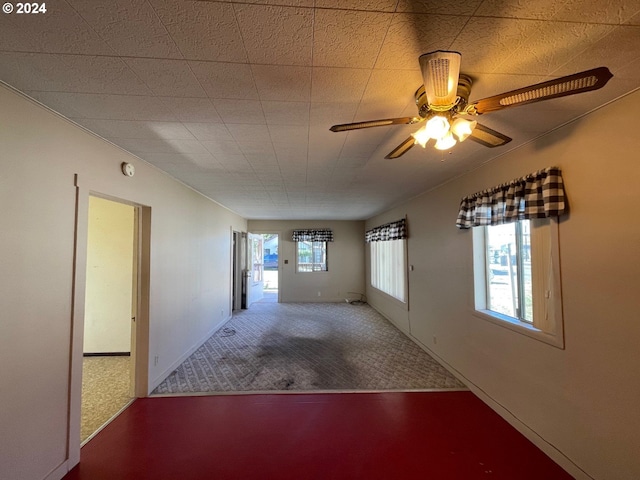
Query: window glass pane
256,255
304,256
515,278
312,256
502,269
319,257
525,269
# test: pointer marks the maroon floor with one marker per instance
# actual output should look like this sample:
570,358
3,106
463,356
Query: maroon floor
437,436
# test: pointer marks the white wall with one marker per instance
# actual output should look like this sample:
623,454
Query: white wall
345,259
40,153
109,281
583,400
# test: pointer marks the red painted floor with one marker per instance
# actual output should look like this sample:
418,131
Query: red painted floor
439,436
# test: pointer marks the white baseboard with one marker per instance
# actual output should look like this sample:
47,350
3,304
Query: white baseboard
160,378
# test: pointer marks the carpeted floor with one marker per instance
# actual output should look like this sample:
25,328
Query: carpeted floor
105,390
289,346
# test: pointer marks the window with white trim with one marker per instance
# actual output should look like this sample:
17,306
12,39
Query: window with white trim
517,277
388,267
312,256
516,253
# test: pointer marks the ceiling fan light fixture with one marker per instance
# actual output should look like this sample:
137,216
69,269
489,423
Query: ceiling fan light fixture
446,142
437,127
421,137
440,71
462,128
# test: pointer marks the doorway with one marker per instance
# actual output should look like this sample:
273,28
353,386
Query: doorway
239,265
254,275
255,268
270,263
111,298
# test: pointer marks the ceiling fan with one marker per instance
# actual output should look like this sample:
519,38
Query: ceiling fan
444,99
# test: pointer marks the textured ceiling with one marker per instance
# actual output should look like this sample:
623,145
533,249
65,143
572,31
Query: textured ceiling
236,99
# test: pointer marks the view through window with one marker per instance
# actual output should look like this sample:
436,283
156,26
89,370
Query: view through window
312,256
508,254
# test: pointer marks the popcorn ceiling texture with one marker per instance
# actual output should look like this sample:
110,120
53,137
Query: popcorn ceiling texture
235,99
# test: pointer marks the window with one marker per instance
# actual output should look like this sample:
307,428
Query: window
311,248
508,257
388,267
388,258
517,280
312,256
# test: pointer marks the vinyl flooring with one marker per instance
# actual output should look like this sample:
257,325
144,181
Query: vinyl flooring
339,436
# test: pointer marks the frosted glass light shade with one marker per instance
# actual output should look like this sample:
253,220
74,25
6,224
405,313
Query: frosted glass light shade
437,127
421,136
446,142
440,71
462,128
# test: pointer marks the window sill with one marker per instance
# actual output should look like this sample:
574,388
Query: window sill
520,327
404,305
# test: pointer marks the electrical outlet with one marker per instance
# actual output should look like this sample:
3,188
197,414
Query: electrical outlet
435,340
155,360
222,312
318,293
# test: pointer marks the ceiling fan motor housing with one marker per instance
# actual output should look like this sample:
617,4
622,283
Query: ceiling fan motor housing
464,90
440,71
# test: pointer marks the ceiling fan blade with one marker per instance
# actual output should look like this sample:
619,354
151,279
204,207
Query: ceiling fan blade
560,87
488,137
375,123
401,149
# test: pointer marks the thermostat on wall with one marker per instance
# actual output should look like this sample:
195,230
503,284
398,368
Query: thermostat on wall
128,169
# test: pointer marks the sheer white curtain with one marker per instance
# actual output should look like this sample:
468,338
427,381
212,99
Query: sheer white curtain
388,272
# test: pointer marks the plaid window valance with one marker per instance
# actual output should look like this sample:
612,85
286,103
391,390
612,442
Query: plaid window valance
538,195
313,235
389,231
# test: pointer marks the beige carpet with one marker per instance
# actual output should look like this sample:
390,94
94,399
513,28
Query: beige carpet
105,390
294,346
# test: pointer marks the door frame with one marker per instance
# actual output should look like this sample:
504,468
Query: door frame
279,234
132,280
250,284
139,347
237,267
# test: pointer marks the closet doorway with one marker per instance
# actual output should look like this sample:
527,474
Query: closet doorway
108,369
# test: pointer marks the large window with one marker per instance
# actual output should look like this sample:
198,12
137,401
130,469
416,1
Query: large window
517,278
388,258
312,256
388,268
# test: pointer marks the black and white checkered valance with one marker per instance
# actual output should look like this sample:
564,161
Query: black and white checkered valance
538,195
313,235
389,231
